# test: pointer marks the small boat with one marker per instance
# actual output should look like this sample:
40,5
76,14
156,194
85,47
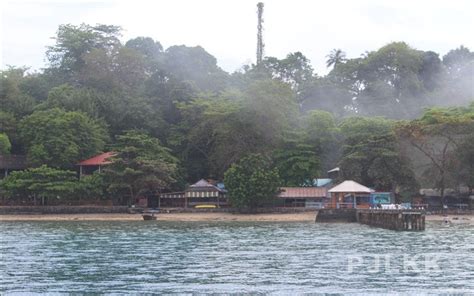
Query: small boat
149,215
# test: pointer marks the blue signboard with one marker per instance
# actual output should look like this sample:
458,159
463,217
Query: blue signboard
380,198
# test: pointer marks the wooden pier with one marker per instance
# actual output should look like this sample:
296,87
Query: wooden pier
402,220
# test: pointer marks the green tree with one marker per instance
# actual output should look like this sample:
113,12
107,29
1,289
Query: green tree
295,69
335,57
151,50
59,138
123,70
371,155
222,129
5,145
42,182
457,60
12,97
455,83
323,135
211,136
147,46
74,43
328,95
435,137
9,127
70,98
141,166
91,187
251,182
393,81
297,161
464,170
195,64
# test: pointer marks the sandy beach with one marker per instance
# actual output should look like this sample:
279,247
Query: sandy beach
189,217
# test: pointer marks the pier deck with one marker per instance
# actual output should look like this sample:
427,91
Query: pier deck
404,220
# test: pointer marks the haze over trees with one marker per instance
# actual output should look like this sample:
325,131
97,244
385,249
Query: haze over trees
100,94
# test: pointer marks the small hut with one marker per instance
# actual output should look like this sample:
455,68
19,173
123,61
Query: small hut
350,194
204,193
88,166
9,163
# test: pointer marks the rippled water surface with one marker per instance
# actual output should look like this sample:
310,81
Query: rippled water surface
234,257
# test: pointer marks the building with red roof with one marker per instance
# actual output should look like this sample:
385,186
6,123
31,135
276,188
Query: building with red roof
309,197
88,166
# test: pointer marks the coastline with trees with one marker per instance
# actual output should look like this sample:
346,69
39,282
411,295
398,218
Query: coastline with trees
396,119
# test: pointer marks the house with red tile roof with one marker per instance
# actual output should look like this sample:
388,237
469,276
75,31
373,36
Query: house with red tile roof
88,166
308,197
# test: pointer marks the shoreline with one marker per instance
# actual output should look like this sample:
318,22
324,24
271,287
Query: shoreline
174,217
189,217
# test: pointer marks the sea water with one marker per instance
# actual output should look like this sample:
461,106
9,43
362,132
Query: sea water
233,257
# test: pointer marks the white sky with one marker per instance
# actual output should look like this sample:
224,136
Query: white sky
227,28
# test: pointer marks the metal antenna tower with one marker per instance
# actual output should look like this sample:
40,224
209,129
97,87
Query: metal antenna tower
260,44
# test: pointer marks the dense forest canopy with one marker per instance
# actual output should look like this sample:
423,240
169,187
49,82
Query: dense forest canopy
98,94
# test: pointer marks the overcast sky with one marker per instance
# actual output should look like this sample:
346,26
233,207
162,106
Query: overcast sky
227,28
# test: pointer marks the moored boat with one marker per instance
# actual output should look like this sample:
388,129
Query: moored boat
149,215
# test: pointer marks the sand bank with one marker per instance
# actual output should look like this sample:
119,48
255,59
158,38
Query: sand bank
191,217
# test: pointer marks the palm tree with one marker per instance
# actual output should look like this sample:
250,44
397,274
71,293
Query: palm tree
335,57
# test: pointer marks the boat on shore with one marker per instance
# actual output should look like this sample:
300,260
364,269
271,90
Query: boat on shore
150,215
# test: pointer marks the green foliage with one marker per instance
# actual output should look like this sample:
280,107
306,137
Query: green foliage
222,129
439,138
97,86
297,162
9,127
392,81
142,165
12,99
295,70
463,169
43,182
69,98
251,182
335,57
73,43
323,135
195,64
371,155
60,139
91,187
5,145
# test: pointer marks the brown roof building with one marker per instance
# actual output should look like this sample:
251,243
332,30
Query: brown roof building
10,163
309,197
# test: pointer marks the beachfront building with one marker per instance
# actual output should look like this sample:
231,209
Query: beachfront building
201,194
89,166
350,194
454,198
9,163
205,193
308,197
